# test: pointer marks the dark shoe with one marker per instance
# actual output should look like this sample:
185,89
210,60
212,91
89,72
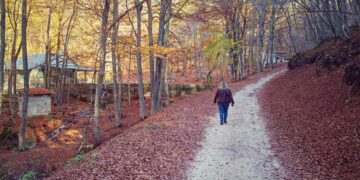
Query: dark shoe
221,123
225,122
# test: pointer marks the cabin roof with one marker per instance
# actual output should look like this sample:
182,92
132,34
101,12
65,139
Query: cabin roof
37,60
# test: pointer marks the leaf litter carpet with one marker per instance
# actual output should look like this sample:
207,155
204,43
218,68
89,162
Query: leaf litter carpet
161,147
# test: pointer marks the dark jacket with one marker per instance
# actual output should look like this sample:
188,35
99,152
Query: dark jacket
224,96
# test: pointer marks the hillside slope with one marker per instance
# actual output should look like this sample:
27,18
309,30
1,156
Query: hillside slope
313,130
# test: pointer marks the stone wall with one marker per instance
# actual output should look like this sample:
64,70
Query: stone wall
83,91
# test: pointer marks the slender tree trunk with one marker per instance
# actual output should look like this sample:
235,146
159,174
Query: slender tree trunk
48,52
291,34
22,137
165,8
104,34
114,44
2,50
151,44
13,63
13,73
166,64
251,53
139,63
58,74
272,33
129,77
64,71
261,11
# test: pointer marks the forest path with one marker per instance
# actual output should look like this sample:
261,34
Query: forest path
239,149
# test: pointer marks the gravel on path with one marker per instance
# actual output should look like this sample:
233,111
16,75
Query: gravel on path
239,149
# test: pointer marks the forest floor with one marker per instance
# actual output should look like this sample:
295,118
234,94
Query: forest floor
312,128
51,154
239,149
162,147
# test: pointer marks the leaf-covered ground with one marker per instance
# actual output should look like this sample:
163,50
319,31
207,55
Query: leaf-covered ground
315,133
159,148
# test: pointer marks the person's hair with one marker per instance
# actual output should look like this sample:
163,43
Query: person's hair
223,85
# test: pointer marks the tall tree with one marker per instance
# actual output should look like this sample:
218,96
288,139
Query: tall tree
22,137
139,63
2,48
14,18
261,9
2,45
57,56
272,32
156,94
48,50
114,56
101,74
151,43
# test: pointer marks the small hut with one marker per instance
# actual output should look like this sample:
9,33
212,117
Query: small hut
39,102
36,66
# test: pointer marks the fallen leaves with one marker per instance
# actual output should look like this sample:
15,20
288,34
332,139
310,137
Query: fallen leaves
160,147
311,126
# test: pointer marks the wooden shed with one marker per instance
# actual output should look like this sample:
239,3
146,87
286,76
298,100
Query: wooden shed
39,102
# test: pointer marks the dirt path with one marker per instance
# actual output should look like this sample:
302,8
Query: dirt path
239,149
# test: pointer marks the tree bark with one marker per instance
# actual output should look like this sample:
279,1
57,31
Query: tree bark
139,63
2,47
48,51
272,33
22,136
2,50
261,10
104,34
151,44
114,53
157,93
58,75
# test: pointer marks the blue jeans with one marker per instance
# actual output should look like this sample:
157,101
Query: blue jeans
223,109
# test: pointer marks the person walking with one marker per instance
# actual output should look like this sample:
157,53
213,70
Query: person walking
223,98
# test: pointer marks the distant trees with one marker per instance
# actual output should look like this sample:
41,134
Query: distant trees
248,34
330,18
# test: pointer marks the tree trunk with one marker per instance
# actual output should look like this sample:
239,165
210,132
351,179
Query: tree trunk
129,77
58,75
261,11
151,44
165,8
251,53
139,63
2,48
99,84
272,34
166,64
22,136
114,52
48,52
